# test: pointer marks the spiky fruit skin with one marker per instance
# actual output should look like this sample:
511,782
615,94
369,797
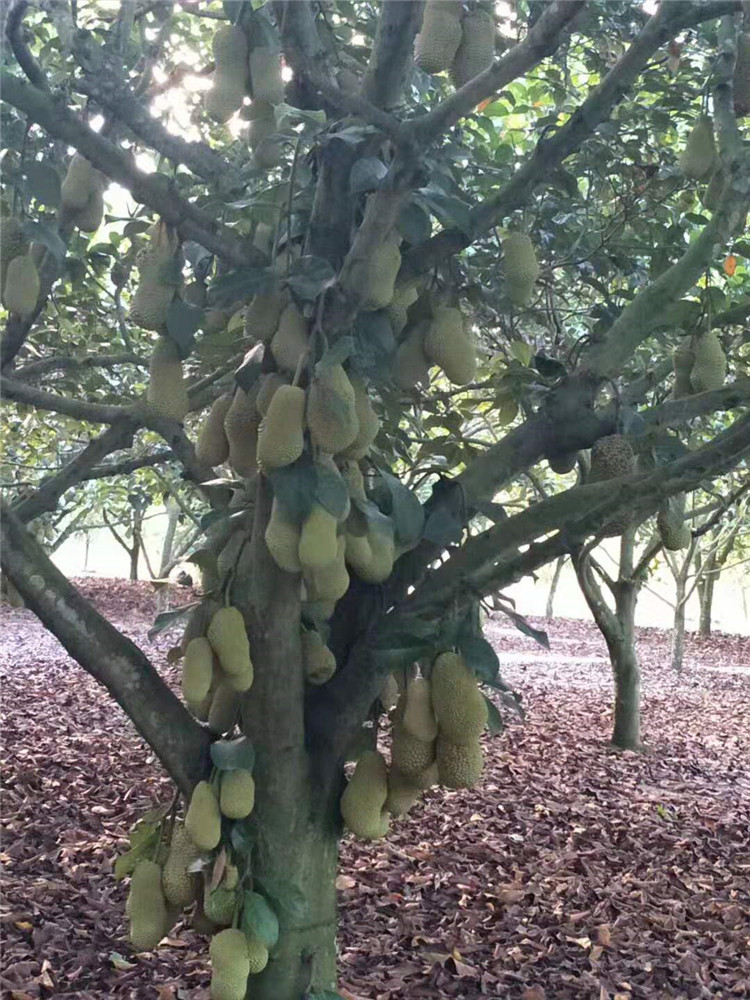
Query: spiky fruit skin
331,582
181,887
437,43
257,953
383,550
683,359
331,410
12,244
447,345
318,661
419,718
410,363
409,755
241,429
710,365
402,794
21,288
229,641
521,267
459,707
290,341
269,383
563,462
224,709
212,447
375,278
230,965
203,820
698,158
476,50
741,81
265,75
281,438
263,314
167,393
146,907
459,764
317,544
368,422
670,522
282,541
237,794
230,55
219,905
363,801
398,308
611,457
197,669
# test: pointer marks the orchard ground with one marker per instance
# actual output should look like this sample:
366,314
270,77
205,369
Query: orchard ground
572,871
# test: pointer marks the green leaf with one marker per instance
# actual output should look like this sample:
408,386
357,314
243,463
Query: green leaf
166,619
236,285
258,918
494,719
337,354
442,528
414,223
331,491
309,275
286,895
521,351
183,319
44,183
374,345
450,211
538,635
233,755
480,656
294,487
40,232
251,368
366,174
404,508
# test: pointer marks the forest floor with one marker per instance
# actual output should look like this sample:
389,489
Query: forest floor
572,871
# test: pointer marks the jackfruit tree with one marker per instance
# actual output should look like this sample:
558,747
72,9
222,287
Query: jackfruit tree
343,274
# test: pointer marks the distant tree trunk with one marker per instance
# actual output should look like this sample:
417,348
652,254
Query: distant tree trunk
626,669
678,628
553,586
173,513
706,593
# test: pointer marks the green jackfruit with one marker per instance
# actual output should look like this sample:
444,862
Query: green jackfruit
181,887
229,641
409,755
212,447
231,877
698,158
375,278
21,288
331,410
419,719
261,136
167,393
331,582
290,342
264,312
410,363
257,953
354,479
282,540
398,308
447,345
241,428
317,544
710,365
683,358
81,182
563,462
383,552
269,383
402,794
219,905
203,820
230,56
146,907
521,267
476,51
224,709
459,707
459,764
437,43
90,218
197,670
367,420
318,661
159,281
237,794
363,802
358,552
281,438
12,244
265,75
741,81
670,521
230,965
611,457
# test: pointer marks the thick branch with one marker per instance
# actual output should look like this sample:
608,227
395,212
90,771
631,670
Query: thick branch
112,659
675,412
129,465
61,363
391,55
97,413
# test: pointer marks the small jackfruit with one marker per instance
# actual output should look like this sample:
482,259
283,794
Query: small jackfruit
237,794
21,288
90,218
363,801
167,393
212,447
264,312
354,479
410,363
203,820
330,582
375,278
146,906
409,755
197,670
282,540
224,709
437,43
397,309
257,952
265,74
241,428
229,641
358,552
447,345
741,82
459,707
670,522
230,965
367,420
230,57
476,51
281,438
219,905
563,462
383,551
317,545
698,158
81,181
459,764
290,342
261,136
331,410
710,365
611,456
683,358
521,267
181,887
419,719
318,661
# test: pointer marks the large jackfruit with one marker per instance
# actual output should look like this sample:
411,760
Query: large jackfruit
241,428
367,420
230,56
181,887
237,794
476,51
447,345
742,74
197,670
521,267
146,906
90,218
224,709
331,582
269,383
317,545
12,244
81,194
358,552
402,794
264,312
203,819
410,363
698,158
436,44
159,278
713,191
257,952
611,457
459,764
229,641
290,342
375,278
261,136
409,755
710,365
331,410
459,707
282,540
318,661
212,447
167,393
21,288
281,438
419,718
265,74
363,802
230,965
683,358
382,555
670,522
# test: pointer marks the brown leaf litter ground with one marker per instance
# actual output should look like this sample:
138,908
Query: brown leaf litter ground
574,871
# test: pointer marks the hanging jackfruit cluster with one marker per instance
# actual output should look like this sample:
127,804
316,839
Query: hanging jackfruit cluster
167,393
160,276
375,277
521,267
440,36
710,364
698,158
447,345
229,83
216,668
82,195
670,521
461,713
363,804
476,50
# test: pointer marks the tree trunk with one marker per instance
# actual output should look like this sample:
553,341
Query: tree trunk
553,586
136,549
173,513
678,629
706,594
626,669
